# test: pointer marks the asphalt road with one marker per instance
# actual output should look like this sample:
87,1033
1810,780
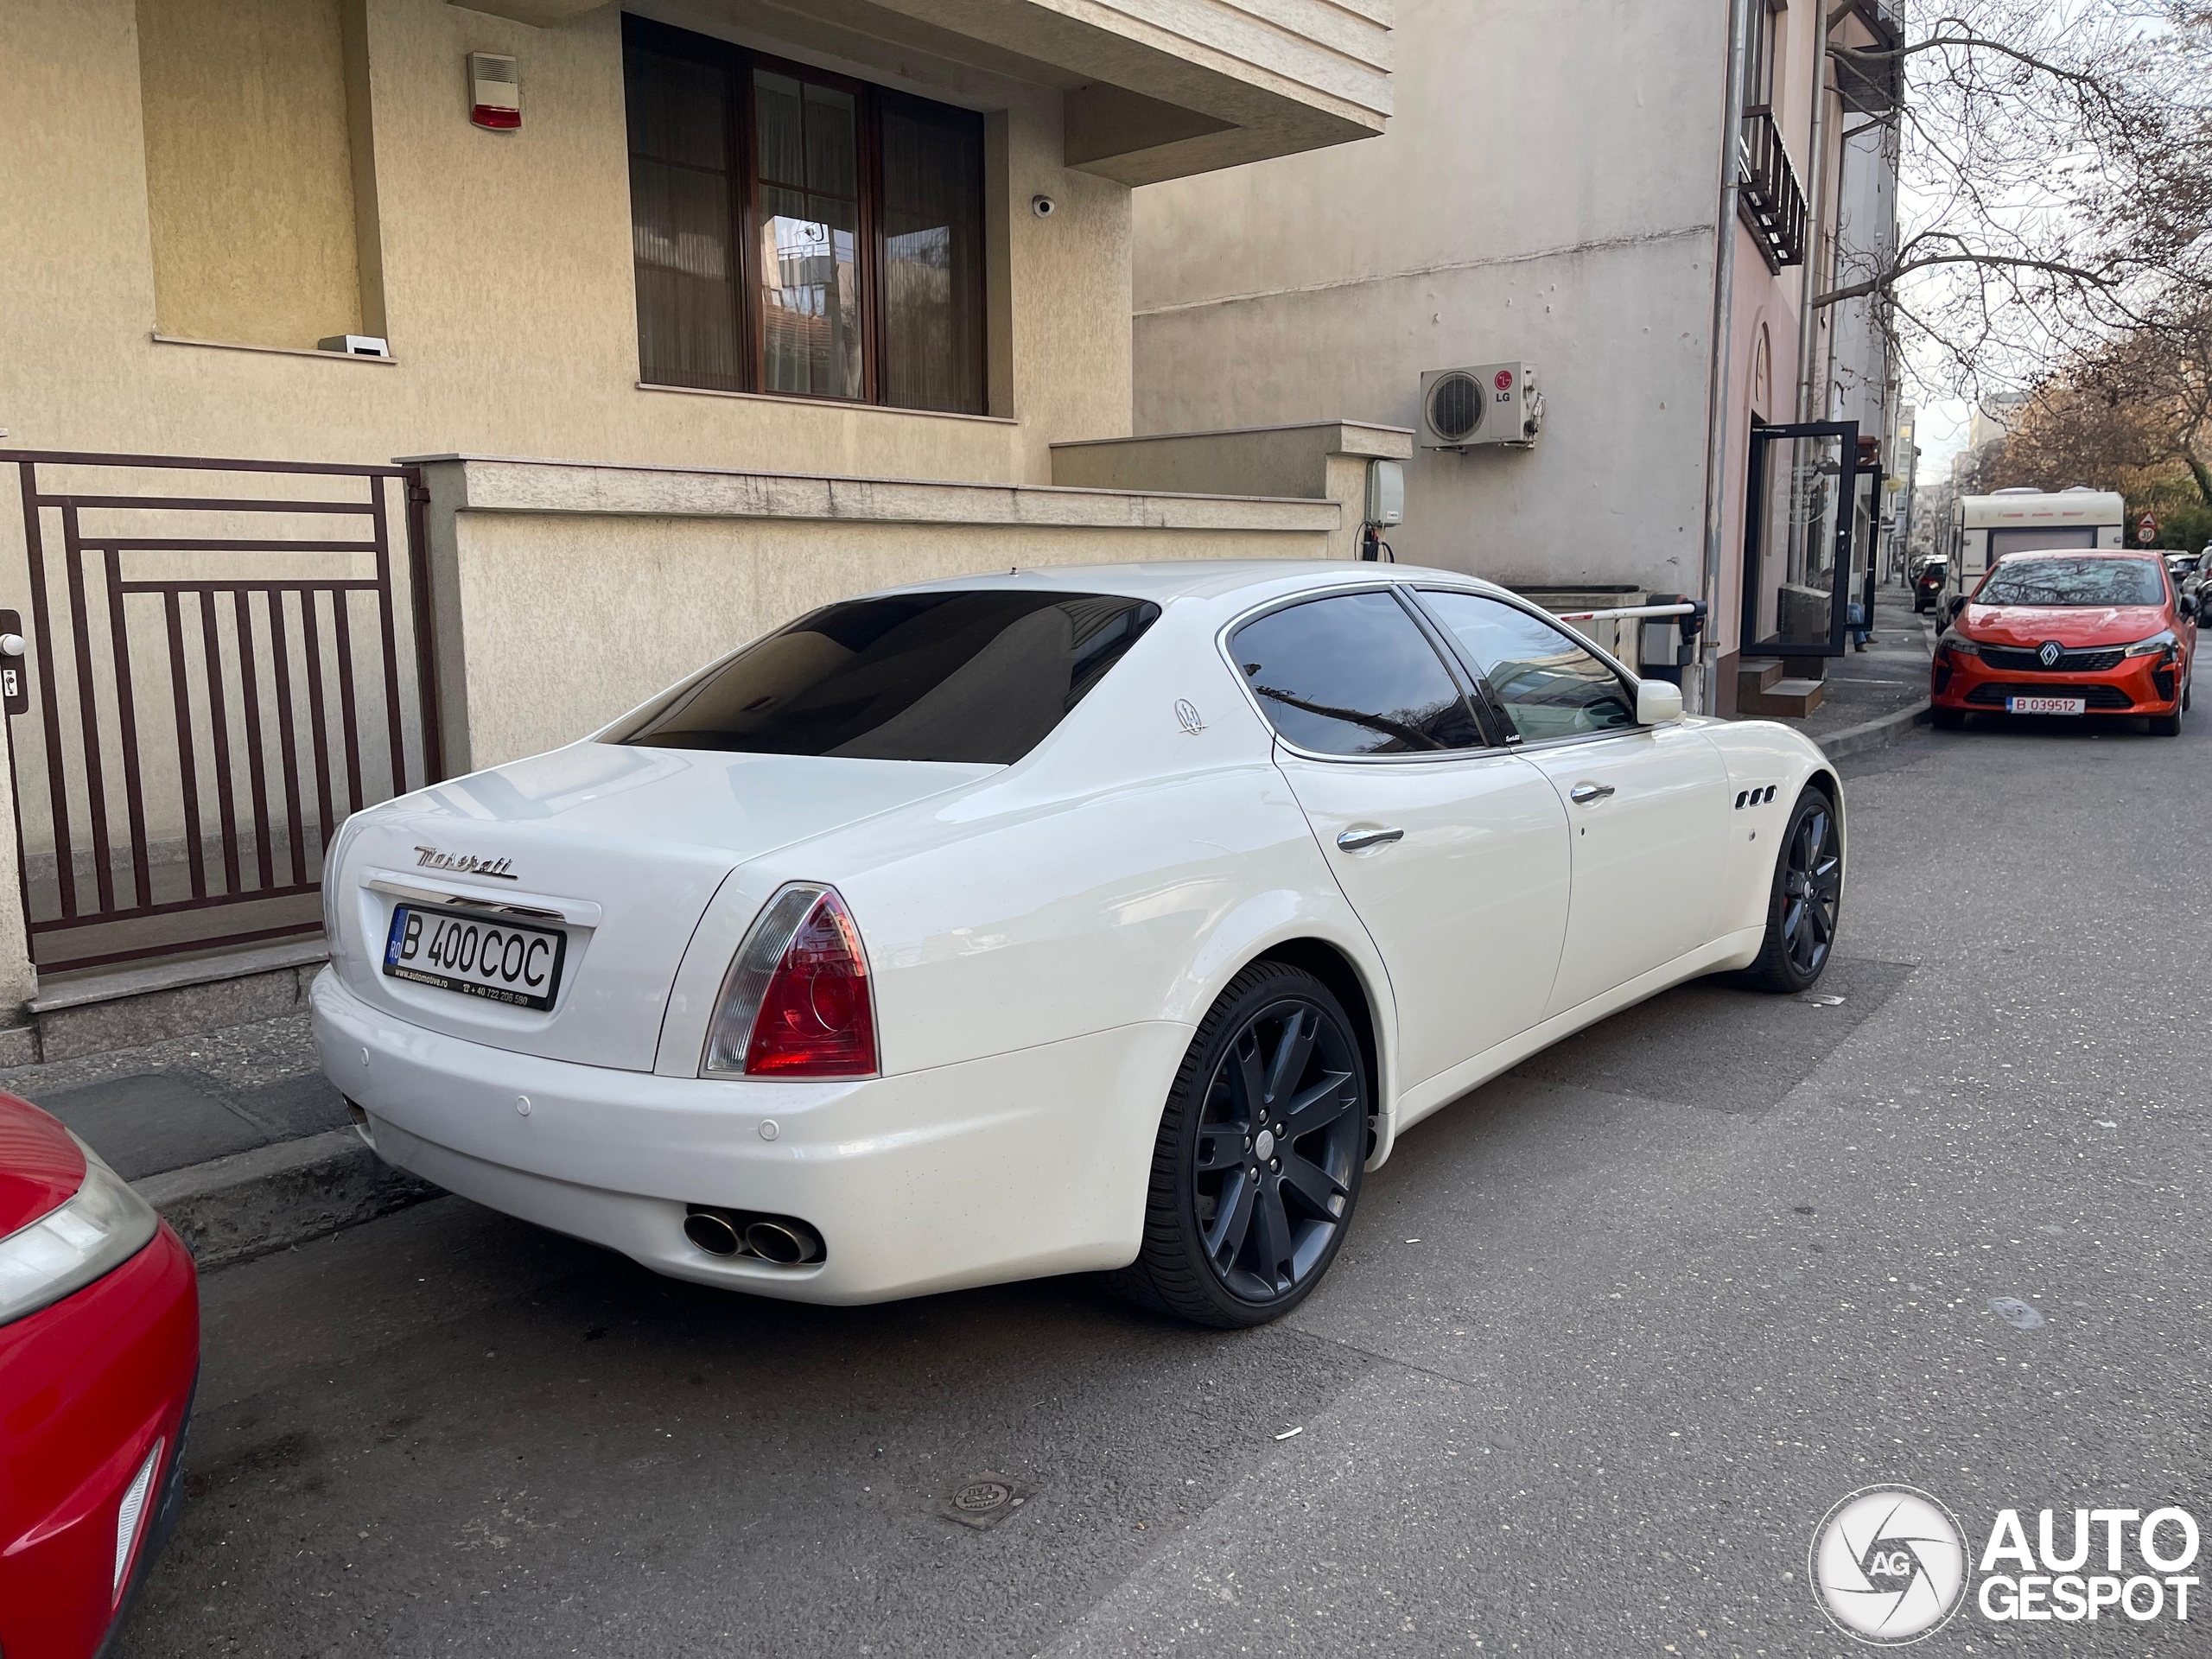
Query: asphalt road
1609,1337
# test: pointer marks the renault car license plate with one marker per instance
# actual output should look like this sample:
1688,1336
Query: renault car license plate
488,956
2045,705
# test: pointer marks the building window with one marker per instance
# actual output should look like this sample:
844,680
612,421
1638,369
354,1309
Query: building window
1766,45
796,231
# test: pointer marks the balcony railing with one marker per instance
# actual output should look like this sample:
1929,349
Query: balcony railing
1769,196
1874,85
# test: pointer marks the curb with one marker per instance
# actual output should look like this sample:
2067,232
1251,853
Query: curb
272,1198
1872,733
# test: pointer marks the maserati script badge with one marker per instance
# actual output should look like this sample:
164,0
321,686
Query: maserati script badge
431,858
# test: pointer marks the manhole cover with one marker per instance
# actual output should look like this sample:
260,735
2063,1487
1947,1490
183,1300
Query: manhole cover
984,1502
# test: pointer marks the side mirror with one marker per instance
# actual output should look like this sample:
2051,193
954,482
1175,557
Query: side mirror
2189,605
1958,602
1658,703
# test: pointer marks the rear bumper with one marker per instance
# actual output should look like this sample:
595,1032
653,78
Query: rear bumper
89,1388
1014,1166
2141,685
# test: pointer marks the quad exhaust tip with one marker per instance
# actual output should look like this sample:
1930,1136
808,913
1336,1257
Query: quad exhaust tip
780,1241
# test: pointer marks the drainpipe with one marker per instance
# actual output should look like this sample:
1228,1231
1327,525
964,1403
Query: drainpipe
1911,487
1705,689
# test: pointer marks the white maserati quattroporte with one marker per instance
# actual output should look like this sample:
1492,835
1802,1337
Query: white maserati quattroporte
1112,919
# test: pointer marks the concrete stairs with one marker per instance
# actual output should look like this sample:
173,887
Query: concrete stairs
96,1011
1763,689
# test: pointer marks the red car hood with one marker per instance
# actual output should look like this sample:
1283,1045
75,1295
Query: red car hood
2070,624
40,1168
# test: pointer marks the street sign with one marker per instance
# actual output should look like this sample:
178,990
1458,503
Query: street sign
2147,529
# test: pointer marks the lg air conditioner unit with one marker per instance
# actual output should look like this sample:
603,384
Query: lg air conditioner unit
1489,403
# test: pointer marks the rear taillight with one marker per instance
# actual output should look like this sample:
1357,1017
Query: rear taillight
797,1001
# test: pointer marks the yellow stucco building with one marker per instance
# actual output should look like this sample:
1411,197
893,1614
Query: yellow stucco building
617,334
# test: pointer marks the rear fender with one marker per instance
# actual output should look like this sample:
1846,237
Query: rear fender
978,943
1261,926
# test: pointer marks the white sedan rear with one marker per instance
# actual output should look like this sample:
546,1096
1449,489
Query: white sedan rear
1111,918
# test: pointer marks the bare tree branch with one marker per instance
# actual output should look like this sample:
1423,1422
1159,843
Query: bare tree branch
1895,274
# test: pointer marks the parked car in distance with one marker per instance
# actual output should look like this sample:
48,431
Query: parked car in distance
2068,633
1928,583
99,1350
1112,919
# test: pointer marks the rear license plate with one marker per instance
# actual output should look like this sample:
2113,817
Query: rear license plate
477,955
2045,705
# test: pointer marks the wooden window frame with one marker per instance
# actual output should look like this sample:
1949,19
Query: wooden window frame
738,65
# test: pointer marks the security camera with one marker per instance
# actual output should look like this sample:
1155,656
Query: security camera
1043,207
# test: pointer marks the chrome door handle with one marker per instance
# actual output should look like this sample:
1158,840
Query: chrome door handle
1583,794
1358,840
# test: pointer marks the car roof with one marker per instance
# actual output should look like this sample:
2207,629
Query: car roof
1164,581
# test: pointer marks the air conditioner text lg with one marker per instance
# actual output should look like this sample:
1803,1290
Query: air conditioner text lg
1483,404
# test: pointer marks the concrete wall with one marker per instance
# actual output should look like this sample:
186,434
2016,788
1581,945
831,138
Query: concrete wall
568,595
1320,460
1498,218
1859,356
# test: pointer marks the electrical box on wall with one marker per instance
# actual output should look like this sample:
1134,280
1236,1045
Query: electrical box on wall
1485,403
1386,494
494,93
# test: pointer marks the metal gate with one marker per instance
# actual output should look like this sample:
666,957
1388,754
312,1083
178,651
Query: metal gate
225,657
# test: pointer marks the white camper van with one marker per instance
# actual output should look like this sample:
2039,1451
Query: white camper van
1985,528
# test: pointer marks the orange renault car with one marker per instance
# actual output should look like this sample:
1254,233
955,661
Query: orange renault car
2072,631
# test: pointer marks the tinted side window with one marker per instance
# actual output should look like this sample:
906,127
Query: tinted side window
1353,675
1548,685
977,677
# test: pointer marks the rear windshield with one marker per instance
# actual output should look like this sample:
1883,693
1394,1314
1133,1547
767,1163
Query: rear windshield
979,677
2075,581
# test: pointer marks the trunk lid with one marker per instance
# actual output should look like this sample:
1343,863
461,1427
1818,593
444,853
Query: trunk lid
616,849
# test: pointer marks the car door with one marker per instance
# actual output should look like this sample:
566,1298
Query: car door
1452,851
1648,805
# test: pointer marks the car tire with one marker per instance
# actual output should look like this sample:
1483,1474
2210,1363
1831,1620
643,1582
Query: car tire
1238,1231
2166,725
1804,901
1946,719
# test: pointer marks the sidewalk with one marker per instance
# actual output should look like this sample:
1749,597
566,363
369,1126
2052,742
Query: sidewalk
234,1134
1872,694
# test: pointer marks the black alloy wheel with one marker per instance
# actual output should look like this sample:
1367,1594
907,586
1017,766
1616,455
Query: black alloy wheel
1807,894
1258,1161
